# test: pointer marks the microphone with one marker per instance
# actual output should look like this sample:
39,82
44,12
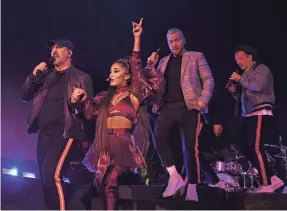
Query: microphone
229,82
204,117
49,63
149,63
107,80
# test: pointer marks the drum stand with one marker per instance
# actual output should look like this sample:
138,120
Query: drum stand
282,154
251,175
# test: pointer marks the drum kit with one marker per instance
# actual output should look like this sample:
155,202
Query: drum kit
239,175
235,176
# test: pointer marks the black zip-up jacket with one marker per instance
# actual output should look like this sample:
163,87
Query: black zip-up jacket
35,89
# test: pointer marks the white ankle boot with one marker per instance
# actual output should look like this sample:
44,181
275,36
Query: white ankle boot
175,182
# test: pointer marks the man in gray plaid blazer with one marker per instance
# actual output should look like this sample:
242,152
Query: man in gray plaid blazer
189,87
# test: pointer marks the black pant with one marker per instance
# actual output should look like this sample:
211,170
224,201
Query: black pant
205,145
178,150
257,131
207,142
49,150
176,115
233,130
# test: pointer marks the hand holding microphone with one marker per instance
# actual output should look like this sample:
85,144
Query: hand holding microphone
153,59
40,67
232,82
43,66
235,77
199,107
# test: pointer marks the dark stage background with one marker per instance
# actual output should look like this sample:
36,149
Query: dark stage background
101,33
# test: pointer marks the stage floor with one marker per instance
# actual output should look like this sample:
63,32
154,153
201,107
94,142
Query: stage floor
25,194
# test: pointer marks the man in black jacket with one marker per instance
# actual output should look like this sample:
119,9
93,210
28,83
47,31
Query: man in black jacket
52,118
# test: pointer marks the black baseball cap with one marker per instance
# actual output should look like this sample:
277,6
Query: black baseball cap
60,42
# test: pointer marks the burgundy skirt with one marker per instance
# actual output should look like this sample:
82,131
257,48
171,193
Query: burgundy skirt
123,152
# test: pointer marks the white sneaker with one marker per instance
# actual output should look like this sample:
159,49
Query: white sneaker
175,182
262,189
191,194
276,182
220,185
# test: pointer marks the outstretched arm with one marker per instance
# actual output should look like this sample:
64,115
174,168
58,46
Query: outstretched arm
147,83
87,105
91,106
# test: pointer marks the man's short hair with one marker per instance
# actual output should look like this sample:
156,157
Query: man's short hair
249,50
175,30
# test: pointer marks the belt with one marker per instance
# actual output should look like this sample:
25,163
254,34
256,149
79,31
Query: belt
118,131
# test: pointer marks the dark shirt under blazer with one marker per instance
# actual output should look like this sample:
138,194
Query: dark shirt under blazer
196,79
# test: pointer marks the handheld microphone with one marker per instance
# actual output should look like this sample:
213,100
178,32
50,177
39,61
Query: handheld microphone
149,63
49,63
229,82
204,117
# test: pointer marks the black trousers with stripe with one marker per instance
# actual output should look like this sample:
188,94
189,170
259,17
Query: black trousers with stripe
49,150
257,131
176,115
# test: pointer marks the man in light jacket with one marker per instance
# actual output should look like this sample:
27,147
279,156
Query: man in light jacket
189,86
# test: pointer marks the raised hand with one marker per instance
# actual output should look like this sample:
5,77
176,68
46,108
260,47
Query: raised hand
137,28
